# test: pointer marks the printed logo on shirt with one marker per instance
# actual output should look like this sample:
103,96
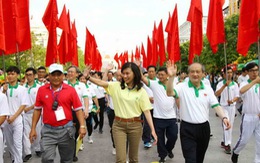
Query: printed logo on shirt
205,94
46,96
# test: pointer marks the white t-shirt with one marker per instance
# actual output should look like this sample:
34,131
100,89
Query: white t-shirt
100,91
195,103
32,92
16,96
91,94
229,92
251,99
164,106
4,108
81,90
242,78
149,92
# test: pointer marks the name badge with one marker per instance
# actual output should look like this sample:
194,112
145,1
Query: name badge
59,113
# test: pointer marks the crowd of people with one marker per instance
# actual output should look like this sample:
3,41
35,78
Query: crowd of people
49,110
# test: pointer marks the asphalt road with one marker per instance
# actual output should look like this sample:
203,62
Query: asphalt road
101,150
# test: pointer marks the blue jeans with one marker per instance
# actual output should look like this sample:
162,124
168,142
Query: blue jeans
168,128
63,138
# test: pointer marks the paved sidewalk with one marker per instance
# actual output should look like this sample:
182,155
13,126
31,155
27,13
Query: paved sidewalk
101,150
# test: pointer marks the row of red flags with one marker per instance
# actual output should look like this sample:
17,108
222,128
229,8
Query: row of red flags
15,33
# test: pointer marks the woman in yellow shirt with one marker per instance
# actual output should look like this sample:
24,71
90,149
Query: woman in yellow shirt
130,100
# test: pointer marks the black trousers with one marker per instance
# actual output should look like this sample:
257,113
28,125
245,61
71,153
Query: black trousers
111,117
146,137
194,141
102,104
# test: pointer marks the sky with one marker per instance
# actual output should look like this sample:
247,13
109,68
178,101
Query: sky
117,25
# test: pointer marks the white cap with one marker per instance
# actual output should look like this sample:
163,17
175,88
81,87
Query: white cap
55,67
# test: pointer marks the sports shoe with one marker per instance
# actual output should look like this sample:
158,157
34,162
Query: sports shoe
170,155
81,147
222,144
162,160
38,153
114,151
27,158
147,145
90,141
75,159
227,149
234,157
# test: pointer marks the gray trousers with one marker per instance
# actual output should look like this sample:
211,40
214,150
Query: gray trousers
63,138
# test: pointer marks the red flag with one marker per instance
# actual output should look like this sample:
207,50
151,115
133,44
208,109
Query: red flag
117,60
196,40
149,52
9,27
74,44
248,26
173,44
154,46
137,53
2,31
126,56
122,59
50,20
144,56
132,56
160,41
88,45
215,26
22,22
63,44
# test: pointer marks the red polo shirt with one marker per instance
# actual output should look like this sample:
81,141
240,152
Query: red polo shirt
66,97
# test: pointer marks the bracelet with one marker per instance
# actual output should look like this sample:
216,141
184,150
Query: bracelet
224,118
83,127
88,77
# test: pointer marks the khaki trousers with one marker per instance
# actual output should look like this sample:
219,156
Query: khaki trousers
123,133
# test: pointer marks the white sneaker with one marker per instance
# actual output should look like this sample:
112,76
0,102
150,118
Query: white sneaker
81,147
90,141
114,151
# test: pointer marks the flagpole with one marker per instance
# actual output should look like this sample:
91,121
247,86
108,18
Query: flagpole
4,64
225,54
18,58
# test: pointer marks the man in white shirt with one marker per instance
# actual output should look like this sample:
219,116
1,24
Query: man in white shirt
228,92
250,124
195,101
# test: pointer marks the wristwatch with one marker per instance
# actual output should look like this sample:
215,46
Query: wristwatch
83,127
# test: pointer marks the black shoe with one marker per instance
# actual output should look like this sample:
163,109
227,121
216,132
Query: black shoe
75,159
162,160
100,131
27,158
227,149
234,157
38,153
96,125
170,155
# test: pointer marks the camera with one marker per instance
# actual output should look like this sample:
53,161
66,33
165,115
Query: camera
55,105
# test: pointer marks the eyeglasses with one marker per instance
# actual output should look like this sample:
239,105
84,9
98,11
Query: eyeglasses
253,70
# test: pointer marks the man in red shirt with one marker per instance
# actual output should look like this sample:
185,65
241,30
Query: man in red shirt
57,100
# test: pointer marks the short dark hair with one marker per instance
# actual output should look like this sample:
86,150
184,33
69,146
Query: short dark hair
228,68
162,69
137,75
110,72
13,69
41,68
244,69
31,69
251,65
151,66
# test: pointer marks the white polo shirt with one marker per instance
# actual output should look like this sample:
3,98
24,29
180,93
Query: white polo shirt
4,108
91,94
100,91
32,92
149,92
229,92
163,105
17,95
195,103
251,98
80,88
